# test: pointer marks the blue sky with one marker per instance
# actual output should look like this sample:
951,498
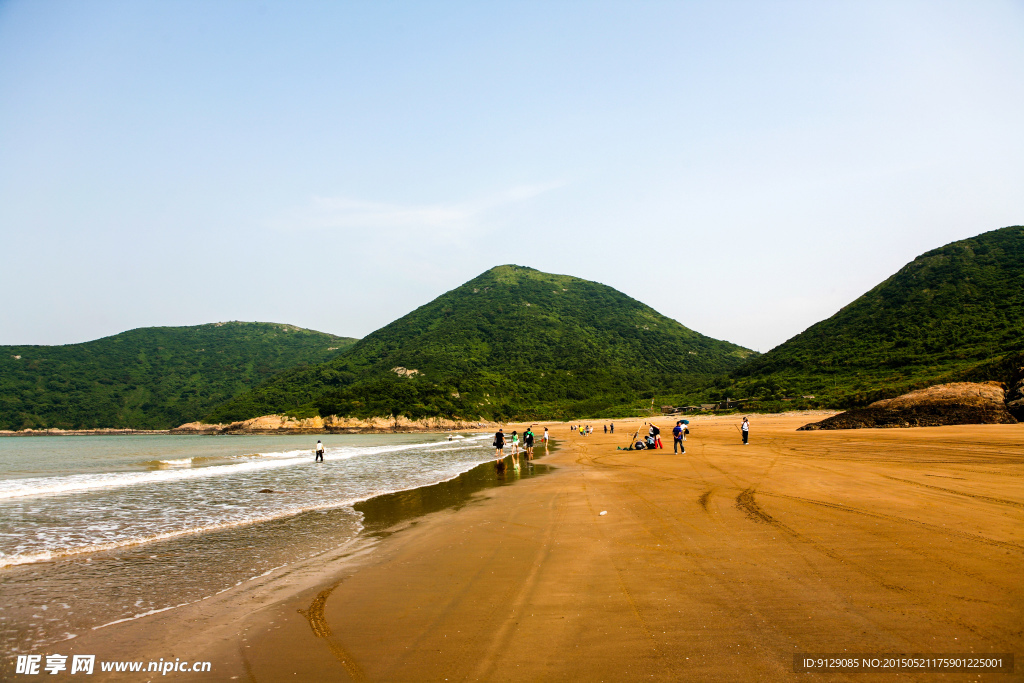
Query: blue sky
747,168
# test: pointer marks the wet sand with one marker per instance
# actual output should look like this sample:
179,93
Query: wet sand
719,564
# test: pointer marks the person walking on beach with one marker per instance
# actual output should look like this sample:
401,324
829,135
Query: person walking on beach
746,431
611,428
515,449
677,438
319,452
499,445
528,443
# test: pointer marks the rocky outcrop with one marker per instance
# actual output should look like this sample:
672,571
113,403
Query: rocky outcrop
942,404
199,428
982,395
283,424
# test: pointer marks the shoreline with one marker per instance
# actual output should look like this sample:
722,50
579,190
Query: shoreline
721,564
386,512
369,426
379,514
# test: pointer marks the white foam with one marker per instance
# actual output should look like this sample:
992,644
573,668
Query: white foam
45,486
42,486
87,533
47,555
139,616
181,462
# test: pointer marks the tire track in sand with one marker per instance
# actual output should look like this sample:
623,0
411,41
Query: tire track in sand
746,502
644,626
976,496
904,520
500,636
706,566
321,629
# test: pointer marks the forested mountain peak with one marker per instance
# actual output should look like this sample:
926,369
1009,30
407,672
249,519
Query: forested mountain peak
513,341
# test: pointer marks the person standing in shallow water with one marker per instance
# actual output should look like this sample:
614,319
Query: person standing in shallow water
528,442
515,450
319,452
499,445
746,431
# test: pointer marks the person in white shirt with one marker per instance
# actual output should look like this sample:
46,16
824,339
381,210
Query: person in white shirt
746,431
319,452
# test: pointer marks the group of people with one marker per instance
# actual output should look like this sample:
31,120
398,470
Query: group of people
652,441
679,432
587,430
513,440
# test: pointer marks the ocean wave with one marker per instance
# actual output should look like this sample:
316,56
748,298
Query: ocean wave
12,559
180,462
184,469
60,550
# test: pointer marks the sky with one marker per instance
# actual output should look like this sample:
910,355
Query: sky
747,168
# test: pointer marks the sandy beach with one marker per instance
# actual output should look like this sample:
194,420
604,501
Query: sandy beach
719,564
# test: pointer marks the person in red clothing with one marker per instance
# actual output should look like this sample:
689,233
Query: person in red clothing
656,433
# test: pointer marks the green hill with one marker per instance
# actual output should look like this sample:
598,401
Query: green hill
952,313
149,378
513,342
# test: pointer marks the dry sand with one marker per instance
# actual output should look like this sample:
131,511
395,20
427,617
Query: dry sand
715,565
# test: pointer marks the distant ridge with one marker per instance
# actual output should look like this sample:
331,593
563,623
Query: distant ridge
513,342
952,313
149,378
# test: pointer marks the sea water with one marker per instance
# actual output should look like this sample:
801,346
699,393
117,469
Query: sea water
101,529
